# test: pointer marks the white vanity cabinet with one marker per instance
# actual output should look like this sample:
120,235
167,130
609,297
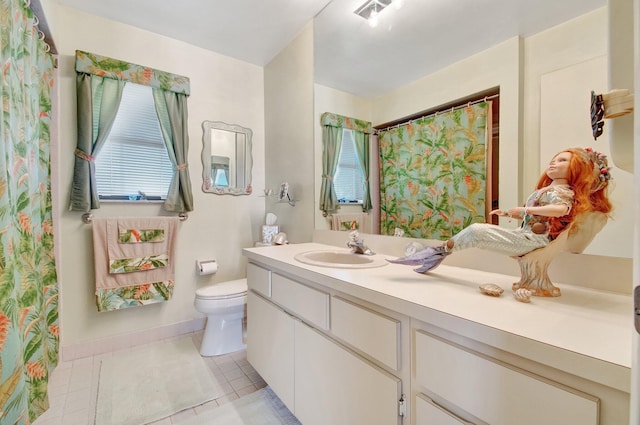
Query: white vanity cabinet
388,346
322,379
271,348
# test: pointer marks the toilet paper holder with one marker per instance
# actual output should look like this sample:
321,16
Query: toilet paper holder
205,267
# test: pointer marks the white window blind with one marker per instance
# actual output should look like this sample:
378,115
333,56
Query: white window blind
349,180
134,159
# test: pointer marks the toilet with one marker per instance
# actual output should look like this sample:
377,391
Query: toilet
223,303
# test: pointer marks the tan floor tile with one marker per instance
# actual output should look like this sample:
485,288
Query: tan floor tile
240,383
232,374
246,390
227,398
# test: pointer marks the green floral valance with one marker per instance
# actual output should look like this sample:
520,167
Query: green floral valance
340,121
103,66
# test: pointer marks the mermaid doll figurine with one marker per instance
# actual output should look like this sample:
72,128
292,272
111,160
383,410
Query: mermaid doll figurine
574,182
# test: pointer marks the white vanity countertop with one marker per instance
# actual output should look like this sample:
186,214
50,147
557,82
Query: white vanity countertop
584,332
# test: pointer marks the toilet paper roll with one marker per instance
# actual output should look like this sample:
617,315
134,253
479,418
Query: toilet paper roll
206,267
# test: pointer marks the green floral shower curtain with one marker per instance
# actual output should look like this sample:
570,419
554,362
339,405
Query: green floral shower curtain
433,173
28,282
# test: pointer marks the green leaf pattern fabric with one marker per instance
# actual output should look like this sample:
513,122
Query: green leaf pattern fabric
29,325
341,121
138,264
134,296
140,235
103,66
349,225
433,174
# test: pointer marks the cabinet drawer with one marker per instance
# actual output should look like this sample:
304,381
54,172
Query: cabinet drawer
374,334
305,302
428,413
494,392
259,279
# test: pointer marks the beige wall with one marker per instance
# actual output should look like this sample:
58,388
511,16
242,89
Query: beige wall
558,48
222,89
620,43
289,135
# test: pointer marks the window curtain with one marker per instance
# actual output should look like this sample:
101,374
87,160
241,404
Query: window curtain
172,114
94,123
332,126
434,173
331,142
29,326
362,149
98,102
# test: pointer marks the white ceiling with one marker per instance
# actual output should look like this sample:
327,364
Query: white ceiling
418,39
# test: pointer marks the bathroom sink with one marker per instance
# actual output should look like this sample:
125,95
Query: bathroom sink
339,259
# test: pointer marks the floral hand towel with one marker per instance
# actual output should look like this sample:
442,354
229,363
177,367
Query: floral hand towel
353,221
134,260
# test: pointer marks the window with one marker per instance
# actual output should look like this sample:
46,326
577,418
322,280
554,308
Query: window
219,171
133,163
349,180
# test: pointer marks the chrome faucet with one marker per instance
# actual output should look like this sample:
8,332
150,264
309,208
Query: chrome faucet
357,245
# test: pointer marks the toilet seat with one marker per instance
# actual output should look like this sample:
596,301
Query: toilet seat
223,290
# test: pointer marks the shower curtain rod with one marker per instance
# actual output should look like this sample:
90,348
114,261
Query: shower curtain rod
40,24
484,99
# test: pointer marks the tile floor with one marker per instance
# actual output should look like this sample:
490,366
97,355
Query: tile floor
73,387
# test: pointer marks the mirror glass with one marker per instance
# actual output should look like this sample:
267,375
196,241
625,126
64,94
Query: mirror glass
334,93
226,158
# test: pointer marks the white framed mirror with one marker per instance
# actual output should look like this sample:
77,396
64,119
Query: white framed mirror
226,158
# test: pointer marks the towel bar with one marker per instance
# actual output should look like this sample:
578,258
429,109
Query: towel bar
87,218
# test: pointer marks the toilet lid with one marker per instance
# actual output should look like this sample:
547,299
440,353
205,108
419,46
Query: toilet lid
231,289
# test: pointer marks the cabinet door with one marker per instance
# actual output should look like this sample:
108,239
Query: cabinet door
270,345
335,386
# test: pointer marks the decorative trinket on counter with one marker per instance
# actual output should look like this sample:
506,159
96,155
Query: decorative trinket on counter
412,248
491,289
522,295
270,229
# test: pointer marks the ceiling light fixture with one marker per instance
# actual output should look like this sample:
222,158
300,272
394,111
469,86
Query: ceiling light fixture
370,10
373,18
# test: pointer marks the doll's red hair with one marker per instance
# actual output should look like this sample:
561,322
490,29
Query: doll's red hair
589,186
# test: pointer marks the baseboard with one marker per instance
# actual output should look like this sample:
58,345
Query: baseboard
118,342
